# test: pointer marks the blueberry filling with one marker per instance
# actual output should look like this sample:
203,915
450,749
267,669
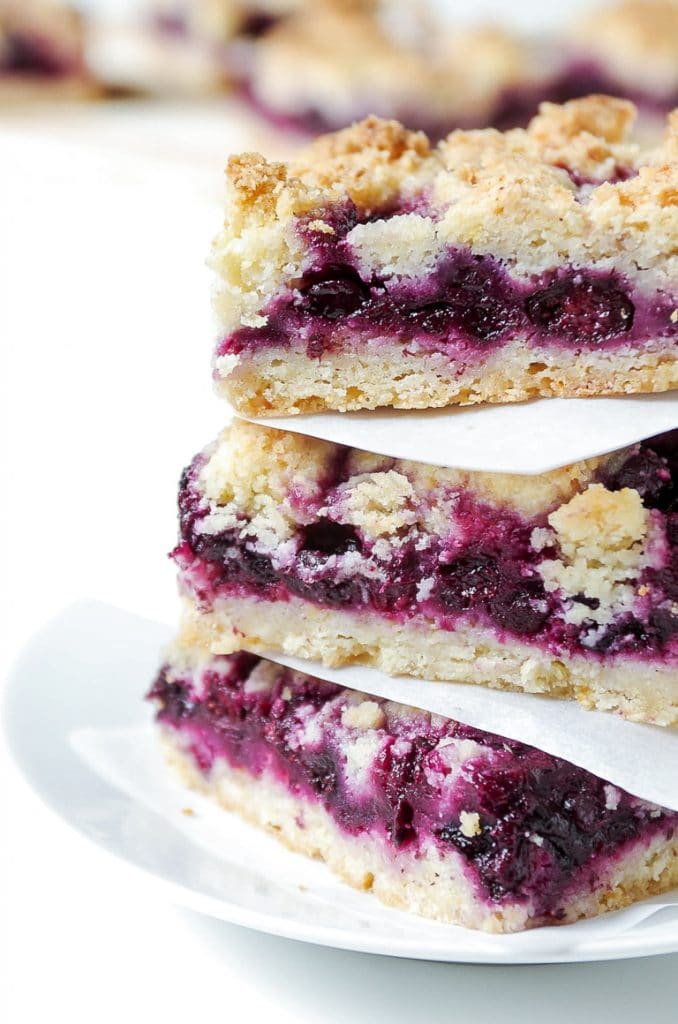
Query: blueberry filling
486,573
257,23
580,308
28,54
332,294
652,470
481,581
467,298
539,819
467,305
329,538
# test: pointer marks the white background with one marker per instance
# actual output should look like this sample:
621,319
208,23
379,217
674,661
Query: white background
104,224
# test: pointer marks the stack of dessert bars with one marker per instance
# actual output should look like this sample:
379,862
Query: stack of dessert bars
375,270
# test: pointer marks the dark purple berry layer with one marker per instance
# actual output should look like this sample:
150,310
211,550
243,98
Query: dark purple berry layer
485,573
466,307
35,56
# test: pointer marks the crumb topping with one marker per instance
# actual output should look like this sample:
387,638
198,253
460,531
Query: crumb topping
364,715
272,474
601,537
516,196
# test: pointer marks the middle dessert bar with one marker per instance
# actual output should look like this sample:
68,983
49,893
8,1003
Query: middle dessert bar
564,583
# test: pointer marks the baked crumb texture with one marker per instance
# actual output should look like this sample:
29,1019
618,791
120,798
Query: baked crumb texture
429,815
375,270
42,52
563,584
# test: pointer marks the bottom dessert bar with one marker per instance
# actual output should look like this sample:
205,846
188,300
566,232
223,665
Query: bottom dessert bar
432,816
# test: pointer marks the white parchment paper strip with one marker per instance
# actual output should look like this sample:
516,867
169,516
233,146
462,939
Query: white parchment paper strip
641,759
527,437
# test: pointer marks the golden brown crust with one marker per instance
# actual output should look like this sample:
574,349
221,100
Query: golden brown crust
265,385
368,161
590,135
255,180
640,692
587,132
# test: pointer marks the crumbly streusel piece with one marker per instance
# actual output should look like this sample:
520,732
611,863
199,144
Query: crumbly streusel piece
430,815
376,271
42,51
564,584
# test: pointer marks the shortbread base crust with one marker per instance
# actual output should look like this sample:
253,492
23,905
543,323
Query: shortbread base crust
287,381
639,691
427,884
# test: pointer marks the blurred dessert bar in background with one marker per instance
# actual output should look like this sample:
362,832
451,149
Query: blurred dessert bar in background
42,52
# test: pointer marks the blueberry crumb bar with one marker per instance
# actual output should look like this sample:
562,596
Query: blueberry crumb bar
564,584
376,271
431,816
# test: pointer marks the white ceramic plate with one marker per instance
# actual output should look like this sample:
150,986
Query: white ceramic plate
82,736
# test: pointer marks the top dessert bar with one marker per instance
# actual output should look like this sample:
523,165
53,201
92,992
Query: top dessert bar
375,270
334,61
